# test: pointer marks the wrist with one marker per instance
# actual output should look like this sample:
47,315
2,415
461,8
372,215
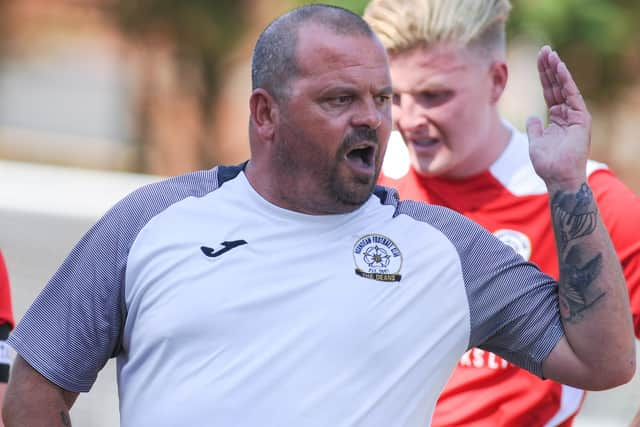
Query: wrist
565,185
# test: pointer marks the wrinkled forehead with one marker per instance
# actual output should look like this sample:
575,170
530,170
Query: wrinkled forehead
320,50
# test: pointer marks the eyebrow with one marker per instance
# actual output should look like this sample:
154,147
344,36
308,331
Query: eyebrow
353,89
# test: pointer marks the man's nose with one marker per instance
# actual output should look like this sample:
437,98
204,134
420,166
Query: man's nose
369,115
409,115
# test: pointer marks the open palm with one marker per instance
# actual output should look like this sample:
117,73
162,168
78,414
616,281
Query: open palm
559,152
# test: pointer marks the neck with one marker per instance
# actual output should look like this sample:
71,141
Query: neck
501,135
262,184
296,198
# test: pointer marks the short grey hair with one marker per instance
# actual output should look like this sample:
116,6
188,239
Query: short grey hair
274,62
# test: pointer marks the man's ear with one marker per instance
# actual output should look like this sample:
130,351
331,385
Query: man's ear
264,113
498,73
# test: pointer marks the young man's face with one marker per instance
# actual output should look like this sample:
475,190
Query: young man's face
336,121
444,105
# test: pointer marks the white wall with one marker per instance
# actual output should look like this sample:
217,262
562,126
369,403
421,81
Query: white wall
44,210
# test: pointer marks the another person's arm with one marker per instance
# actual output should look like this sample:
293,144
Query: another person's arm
5,360
6,325
598,350
3,391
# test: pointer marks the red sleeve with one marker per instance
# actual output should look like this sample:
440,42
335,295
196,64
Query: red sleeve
6,311
620,210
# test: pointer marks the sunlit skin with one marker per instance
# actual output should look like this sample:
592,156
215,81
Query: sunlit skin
320,151
445,106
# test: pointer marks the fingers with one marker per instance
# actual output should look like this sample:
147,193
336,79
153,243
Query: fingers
546,77
547,63
558,85
570,91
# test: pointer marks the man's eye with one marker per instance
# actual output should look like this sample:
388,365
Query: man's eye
435,96
342,100
383,99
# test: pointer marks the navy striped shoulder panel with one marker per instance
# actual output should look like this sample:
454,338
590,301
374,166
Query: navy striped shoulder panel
71,351
512,304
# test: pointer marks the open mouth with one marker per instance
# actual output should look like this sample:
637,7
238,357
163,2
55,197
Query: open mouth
362,157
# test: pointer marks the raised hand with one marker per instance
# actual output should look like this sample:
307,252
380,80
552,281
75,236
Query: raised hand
559,152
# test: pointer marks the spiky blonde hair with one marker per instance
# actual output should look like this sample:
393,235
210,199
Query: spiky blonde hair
403,25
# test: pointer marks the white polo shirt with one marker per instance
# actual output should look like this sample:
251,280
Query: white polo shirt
225,310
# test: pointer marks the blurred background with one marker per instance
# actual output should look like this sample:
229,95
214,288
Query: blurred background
98,97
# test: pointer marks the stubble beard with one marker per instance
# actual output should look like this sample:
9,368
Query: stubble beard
351,192
334,192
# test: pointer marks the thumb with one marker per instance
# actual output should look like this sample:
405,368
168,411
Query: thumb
534,128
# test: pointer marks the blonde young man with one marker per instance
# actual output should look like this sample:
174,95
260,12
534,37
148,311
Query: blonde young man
448,71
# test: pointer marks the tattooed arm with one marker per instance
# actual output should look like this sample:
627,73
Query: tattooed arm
598,350
34,401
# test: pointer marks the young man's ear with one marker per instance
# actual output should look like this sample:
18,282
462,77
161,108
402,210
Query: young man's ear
499,73
264,113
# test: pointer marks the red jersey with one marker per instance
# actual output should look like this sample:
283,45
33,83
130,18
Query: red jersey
6,312
511,201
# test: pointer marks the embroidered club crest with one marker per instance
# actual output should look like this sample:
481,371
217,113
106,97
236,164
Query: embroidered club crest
377,258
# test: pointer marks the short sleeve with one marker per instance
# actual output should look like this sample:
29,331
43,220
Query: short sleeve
513,306
73,326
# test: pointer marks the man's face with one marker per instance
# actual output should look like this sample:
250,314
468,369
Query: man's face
443,107
335,122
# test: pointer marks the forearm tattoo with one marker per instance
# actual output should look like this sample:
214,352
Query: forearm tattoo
575,216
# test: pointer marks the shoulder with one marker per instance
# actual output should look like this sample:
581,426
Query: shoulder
609,189
151,199
122,224
618,204
194,184
449,222
514,170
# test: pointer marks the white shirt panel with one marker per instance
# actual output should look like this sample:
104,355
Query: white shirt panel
283,324
246,331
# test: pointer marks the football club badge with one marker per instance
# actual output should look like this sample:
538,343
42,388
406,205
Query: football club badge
377,258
